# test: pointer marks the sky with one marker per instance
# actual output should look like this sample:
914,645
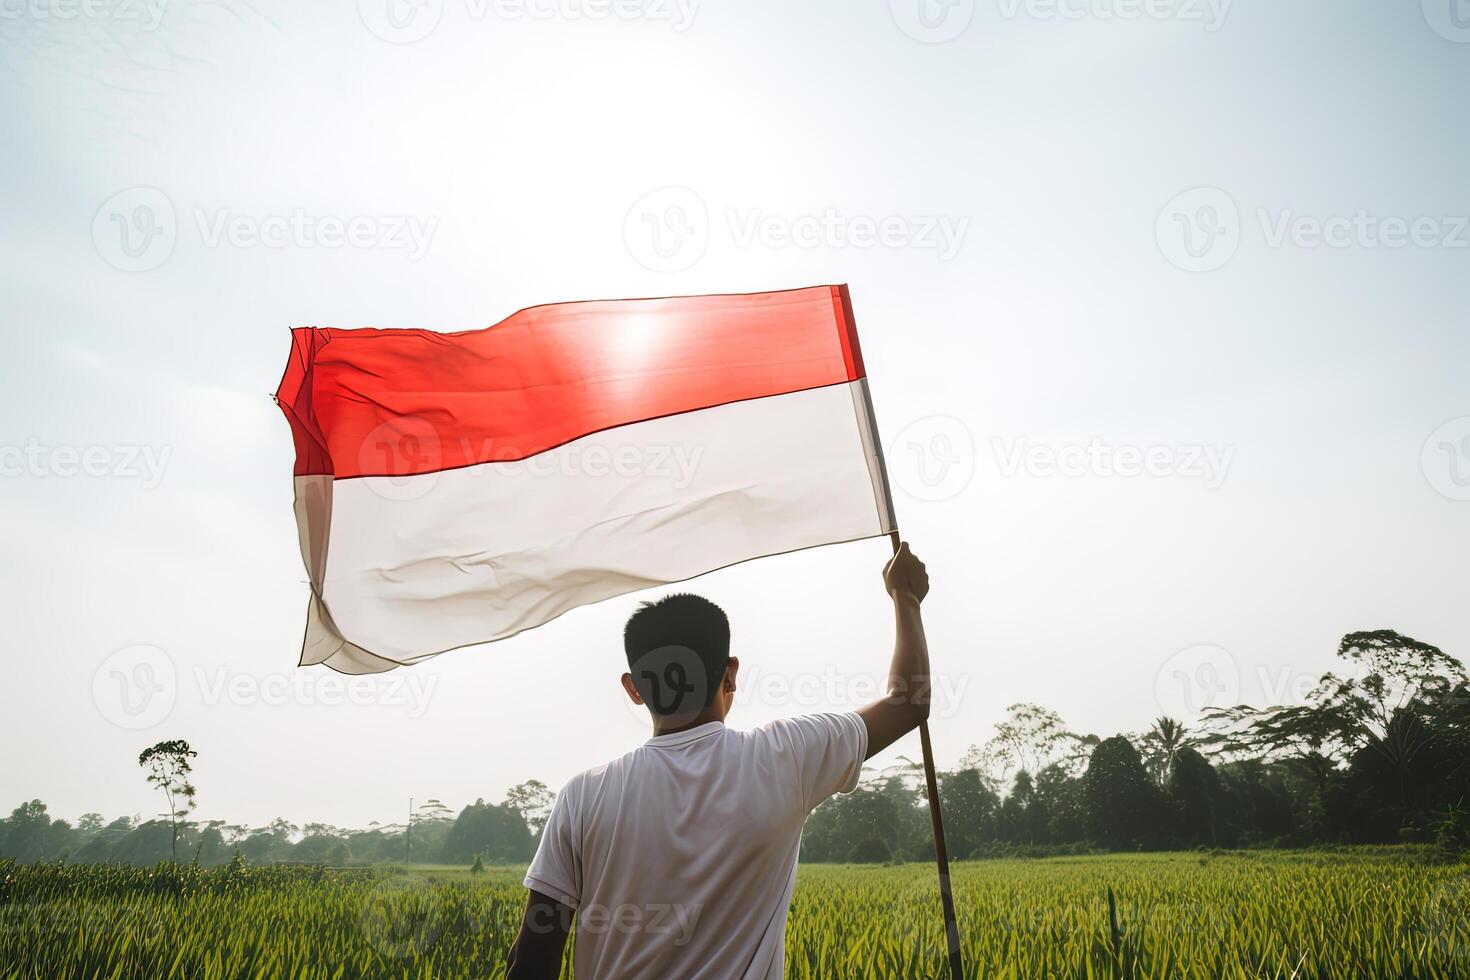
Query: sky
1163,304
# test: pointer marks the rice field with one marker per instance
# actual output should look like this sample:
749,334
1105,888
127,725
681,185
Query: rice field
1347,914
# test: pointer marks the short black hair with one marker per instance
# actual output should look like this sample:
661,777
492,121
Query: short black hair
686,621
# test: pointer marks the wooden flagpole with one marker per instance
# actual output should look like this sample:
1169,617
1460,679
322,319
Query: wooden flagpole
941,853
868,421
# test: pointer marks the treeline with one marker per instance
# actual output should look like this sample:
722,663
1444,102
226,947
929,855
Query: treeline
1379,753
495,833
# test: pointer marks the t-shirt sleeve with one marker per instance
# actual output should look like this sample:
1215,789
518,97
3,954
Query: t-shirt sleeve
556,870
828,750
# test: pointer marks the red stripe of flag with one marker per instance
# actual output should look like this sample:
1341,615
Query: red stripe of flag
398,402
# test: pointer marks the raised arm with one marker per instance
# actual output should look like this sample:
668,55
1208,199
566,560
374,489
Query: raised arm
907,703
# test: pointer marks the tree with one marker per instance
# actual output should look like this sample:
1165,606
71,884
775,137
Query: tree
969,811
102,845
26,835
430,811
168,768
496,832
870,850
1194,789
210,849
1395,787
1396,726
533,801
1256,805
876,811
1123,805
322,849
428,823
1023,818
1346,713
1029,738
1060,793
1161,744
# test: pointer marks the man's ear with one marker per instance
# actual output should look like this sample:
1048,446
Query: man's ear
631,689
731,669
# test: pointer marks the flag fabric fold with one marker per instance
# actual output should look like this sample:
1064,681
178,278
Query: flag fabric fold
458,488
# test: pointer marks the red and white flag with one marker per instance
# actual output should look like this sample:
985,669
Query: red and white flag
458,488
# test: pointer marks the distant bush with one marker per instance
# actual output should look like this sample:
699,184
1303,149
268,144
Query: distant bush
1452,837
870,850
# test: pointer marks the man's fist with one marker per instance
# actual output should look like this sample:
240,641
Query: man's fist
905,577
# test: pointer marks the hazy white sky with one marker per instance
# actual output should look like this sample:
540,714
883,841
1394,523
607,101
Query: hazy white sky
1219,246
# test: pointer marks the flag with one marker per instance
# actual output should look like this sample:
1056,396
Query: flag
458,488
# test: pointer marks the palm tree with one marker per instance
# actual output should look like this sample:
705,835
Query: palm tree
1161,747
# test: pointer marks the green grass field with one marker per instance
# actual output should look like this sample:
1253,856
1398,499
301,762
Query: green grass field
1350,914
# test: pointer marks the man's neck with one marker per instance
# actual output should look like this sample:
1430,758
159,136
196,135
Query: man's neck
706,716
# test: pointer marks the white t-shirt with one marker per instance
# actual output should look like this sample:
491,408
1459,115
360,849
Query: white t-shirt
680,857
